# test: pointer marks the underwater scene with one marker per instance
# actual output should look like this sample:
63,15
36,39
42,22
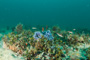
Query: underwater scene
44,29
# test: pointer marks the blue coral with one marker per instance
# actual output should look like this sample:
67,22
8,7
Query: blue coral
37,35
48,35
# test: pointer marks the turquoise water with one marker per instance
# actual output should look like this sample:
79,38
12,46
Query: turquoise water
66,13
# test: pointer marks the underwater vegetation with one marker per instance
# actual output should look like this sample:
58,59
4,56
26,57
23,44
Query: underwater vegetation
48,44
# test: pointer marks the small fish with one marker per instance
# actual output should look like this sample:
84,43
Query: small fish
60,35
34,28
70,32
74,29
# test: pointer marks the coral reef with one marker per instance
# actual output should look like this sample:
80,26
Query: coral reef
52,44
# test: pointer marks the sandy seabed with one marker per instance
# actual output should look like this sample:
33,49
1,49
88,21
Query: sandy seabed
6,54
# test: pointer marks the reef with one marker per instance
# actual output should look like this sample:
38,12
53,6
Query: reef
51,43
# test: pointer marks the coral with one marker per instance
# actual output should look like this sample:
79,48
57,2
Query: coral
19,28
42,28
81,39
47,45
38,46
48,35
56,29
37,35
5,38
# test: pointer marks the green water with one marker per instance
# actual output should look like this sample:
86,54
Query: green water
66,13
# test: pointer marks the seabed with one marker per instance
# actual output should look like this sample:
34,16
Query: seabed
44,43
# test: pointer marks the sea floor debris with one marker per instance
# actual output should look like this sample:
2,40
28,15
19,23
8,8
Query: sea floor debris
48,44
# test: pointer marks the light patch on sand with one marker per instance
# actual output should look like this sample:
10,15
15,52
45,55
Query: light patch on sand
6,54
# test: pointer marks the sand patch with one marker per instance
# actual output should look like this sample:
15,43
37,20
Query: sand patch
6,54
